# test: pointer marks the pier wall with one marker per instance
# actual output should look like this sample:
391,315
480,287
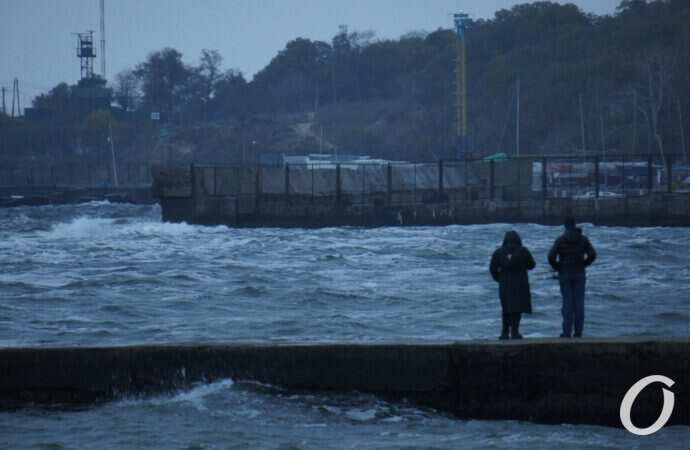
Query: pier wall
542,380
67,194
375,196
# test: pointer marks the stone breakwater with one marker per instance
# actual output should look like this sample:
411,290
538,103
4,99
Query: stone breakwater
540,380
302,197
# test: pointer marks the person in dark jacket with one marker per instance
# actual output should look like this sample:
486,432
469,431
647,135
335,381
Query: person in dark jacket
569,255
509,266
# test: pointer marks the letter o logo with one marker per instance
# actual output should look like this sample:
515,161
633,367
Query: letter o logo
631,395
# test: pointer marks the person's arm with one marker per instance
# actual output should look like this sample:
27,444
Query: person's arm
553,254
529,261
591,254
494,266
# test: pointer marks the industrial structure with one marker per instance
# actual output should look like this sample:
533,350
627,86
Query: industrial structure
461,83
86,53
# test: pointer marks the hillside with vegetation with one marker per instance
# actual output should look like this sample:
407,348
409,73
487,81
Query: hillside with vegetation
611,84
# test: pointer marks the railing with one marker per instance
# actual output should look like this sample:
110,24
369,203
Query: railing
511,179
74,174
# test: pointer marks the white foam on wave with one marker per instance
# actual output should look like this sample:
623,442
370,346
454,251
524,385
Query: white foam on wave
89,227
151,228
194,396
80,227
197,394
361,415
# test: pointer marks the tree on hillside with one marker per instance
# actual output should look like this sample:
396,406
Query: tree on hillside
164,81
294,78
58,98
230,96
126,90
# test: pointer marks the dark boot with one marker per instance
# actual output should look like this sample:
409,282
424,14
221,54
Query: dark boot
515,327
506,326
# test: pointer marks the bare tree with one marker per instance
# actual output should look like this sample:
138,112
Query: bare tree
126,90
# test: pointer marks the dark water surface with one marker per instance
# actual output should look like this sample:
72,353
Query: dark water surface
106,274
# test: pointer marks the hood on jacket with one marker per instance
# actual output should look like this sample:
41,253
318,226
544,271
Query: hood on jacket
512,239
573,234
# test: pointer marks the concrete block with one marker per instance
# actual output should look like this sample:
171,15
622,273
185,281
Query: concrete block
171,181
273,180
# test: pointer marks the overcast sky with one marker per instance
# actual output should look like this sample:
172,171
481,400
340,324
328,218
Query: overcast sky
37,44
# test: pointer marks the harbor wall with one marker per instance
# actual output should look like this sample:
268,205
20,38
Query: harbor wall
540,380
374,196
37,195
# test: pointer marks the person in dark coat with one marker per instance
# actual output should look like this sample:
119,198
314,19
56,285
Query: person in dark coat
509,266
569,255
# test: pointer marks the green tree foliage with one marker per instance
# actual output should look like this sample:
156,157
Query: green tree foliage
57,99
164,81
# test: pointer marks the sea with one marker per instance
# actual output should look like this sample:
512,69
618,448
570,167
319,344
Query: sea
102,274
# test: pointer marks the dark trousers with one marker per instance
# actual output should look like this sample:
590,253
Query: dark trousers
511,321
573,292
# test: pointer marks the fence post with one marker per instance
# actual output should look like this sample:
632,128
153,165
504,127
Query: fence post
491,179
467,180
389,196
440,179
414,185
670,174
596,176
192,179
337,184
623,177
287,182
364,181
257,190
312,184
519,183
543,177
650,175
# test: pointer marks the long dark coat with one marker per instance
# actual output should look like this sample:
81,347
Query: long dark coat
509,266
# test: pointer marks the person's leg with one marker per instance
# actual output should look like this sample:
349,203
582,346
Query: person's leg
506,325
567,309
515,326
579,304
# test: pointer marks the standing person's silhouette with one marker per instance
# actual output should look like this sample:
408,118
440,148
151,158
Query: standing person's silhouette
509,266
569,255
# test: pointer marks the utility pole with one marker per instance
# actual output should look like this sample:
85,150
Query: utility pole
4,109
15,94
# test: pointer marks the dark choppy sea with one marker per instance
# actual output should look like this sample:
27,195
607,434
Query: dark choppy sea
113,274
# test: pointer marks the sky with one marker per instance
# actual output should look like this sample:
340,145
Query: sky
38,44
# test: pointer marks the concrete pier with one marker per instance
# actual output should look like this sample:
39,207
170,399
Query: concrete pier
540,380
37,195
302,197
